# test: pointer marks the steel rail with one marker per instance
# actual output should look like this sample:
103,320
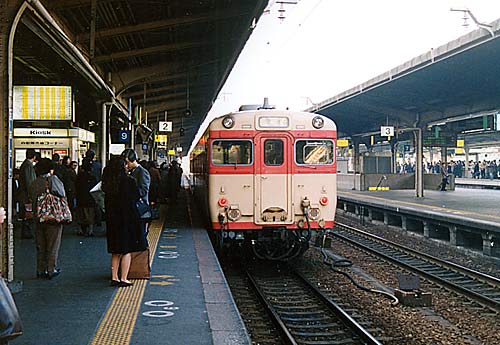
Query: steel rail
489,281
285,334
355,327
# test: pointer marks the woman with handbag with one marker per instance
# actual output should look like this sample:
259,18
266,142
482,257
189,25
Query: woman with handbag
123,226
47,234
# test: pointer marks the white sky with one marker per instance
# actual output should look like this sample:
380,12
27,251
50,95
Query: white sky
325,47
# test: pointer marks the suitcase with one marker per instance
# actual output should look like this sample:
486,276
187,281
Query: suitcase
140,266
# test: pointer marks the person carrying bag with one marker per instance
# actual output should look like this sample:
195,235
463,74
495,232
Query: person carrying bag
52,211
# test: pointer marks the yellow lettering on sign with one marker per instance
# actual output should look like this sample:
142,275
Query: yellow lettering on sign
25,102
460,143
459,151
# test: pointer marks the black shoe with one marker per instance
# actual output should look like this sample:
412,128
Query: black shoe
125,284
42,275
115,282
54,274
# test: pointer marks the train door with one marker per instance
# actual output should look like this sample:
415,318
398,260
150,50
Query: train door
273,192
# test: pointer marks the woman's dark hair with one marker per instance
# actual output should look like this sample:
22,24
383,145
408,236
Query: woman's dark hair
44,166
130,154
112,174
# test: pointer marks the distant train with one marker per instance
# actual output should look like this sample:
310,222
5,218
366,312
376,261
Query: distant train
266,179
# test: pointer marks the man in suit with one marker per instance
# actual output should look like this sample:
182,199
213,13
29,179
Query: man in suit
26,177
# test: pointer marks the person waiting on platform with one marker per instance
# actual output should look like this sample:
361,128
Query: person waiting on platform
85,203
124,229
47,235
444,178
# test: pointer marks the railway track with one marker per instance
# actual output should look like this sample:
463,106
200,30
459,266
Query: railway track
479,287
302,313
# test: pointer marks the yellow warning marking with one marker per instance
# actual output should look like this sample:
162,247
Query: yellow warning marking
435,208
164,276
118,323
168,247
160,283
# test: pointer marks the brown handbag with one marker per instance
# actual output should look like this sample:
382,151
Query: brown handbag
140,266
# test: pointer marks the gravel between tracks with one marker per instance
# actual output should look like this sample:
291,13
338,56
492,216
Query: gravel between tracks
449,321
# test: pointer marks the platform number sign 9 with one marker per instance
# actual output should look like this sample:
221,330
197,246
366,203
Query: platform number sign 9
387,131
123,136
165,126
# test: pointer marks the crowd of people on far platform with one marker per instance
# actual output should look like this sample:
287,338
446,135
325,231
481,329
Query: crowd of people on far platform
478,169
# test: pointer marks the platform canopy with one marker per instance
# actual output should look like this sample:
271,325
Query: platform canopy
167,56
455,81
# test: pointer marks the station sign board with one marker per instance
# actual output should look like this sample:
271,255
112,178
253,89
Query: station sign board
165,126
387,131
444,140
342,143
51,103
123,136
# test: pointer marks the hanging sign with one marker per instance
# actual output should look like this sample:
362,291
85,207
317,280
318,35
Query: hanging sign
42,103
165,126
387,131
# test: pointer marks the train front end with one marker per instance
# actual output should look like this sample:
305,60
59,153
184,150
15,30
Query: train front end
271,180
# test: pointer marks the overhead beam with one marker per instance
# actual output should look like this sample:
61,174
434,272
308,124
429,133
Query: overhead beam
153,100
150,91
161,24
165,48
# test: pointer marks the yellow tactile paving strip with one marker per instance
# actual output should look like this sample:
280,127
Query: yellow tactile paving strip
118,323
435,208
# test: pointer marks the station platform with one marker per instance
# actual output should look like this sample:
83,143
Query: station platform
477,183
186,301
466,207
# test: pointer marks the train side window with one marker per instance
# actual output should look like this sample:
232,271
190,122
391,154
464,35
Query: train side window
232,152
314,152
273,152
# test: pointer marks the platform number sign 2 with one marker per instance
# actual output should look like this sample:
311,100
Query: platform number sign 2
165,126
387,131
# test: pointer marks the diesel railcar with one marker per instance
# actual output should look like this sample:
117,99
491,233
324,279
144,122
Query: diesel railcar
266,180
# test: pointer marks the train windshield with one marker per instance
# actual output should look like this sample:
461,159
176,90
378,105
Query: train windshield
273,152
314,152
232,152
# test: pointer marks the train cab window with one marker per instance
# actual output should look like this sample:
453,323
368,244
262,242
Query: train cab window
314,152
232,152
273,152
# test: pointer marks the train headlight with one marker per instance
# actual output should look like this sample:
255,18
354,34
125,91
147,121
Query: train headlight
318,122
323,201
228,122
222,202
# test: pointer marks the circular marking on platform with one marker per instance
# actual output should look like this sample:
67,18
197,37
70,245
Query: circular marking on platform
159,303
158,313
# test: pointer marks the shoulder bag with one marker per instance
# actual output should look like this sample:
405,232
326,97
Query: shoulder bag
143,209
53,209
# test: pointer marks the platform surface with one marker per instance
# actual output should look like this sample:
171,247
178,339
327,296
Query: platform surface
477,204
186,301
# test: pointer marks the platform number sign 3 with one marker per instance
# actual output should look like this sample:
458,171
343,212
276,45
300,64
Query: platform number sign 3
165,126
387,131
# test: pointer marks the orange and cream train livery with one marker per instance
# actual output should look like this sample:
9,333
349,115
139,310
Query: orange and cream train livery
266,179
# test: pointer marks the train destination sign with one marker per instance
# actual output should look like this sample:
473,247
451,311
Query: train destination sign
444,140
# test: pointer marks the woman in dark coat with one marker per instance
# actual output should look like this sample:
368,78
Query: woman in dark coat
123,226
85,203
